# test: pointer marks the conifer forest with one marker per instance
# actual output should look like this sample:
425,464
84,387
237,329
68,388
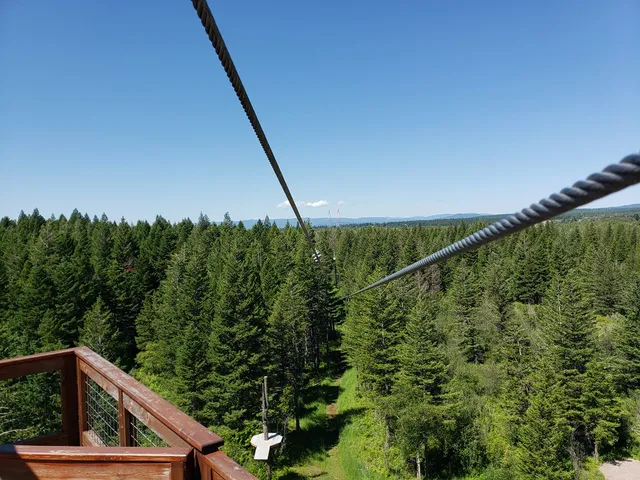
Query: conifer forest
518,360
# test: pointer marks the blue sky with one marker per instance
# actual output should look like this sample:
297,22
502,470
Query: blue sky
393,108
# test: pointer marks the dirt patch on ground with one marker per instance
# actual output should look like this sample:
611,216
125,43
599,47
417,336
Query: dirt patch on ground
332,410
621,470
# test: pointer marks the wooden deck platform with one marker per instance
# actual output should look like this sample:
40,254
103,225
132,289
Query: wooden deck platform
112,427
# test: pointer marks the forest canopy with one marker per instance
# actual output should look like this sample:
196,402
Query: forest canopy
523,356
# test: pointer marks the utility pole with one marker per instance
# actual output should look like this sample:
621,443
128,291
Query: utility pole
264,441
265,408
265,427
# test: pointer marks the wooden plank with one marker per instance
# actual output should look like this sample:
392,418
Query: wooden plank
69,400
94,454
224,468
30,364
34,462
122,425
106,385
159,428
127,426
178,470
16,469
82,401
91,439
58,438
203,467
177,421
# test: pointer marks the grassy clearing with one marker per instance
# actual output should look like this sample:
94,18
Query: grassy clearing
315,445
339,438
360,446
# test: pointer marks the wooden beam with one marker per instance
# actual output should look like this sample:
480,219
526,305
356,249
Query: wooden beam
178,470
94,454
223,468
91,439
17,469
82,402
122,426
181,424
97,377
203,467
147,418
69,400
30,364
19,462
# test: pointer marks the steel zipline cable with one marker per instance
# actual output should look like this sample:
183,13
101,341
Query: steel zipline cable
210,27
612,179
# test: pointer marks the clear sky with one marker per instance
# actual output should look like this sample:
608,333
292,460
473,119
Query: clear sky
393,108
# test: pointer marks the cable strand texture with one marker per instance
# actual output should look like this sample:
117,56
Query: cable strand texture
211,28
612,179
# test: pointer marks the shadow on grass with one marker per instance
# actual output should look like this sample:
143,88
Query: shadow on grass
322,431
321,423
297,476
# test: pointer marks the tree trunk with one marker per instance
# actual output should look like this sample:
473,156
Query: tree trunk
387,438
418,466
297,408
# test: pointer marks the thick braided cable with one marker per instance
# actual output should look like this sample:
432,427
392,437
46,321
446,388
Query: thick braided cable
612,179
210,27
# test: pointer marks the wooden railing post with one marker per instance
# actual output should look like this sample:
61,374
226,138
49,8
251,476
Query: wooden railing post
69,400
82,400
124,422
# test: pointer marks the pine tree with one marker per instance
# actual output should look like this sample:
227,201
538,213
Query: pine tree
101,245
418,390
601,286
236,348
125,296
82,269
603,412
372,331
531,269
287,335
628,361
98,332
570,336
191,369
543,438
465,295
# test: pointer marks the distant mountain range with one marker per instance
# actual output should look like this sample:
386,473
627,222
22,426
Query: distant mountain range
326,221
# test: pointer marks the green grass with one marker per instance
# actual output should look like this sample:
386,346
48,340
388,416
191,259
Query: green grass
313,449
360,446
338,438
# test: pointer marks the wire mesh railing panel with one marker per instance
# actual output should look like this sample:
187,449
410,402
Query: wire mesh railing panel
30,407
143,436
102,414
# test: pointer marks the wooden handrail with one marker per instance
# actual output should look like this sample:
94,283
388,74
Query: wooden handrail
94,454
180,431
196,435
62,361
38,363
80,463
223,467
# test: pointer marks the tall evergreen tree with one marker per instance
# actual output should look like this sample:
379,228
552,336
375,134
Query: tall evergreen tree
125,296
287,337
236,342
465,296
98,331
191,371
418,391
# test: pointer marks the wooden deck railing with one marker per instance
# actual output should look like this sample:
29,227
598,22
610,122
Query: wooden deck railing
105,413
